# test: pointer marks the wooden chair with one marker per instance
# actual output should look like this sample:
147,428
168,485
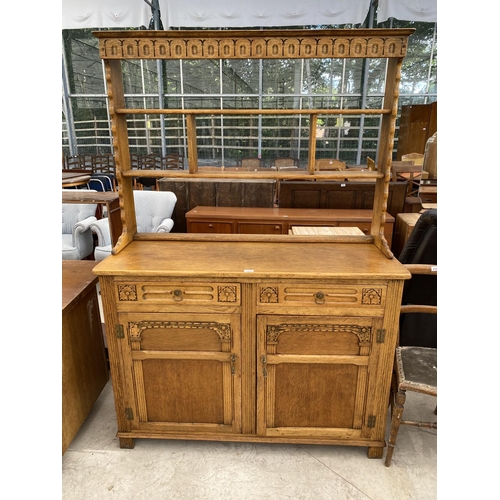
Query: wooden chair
407,171
172,161
285,163
250,163
148,162
329,164
415,369
103,170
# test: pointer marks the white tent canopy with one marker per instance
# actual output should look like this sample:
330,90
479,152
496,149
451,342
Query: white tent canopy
237,14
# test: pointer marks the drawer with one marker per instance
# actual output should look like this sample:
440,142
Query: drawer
158,292
260,228
210,227
326,295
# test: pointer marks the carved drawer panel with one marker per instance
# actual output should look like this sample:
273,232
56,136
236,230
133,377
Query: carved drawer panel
178,293
321,295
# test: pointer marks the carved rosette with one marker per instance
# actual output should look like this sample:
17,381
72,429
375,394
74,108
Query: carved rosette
223,330
127,293
371,296
269,295
227,294
364,333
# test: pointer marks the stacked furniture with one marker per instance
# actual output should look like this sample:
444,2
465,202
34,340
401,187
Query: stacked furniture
263,338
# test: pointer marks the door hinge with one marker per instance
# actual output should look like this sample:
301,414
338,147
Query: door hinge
372,420
129,414
119,332
380,336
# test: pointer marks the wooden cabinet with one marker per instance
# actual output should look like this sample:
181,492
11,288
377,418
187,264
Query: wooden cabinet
252,337
84,366
241,341
417,124
339,195
213,220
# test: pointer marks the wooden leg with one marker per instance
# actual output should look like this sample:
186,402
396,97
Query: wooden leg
375,452
127,443
397,413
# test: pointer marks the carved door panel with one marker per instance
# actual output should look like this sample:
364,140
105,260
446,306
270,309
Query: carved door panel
314,376
185,371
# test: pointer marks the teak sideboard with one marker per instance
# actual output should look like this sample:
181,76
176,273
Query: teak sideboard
242,337
243,220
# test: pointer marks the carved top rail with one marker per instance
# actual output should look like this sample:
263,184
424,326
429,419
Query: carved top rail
254,44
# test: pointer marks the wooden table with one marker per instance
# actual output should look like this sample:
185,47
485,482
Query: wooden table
246,220
72,179
84,365
108,198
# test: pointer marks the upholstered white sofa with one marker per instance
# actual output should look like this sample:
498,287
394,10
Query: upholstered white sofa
77,239
153,212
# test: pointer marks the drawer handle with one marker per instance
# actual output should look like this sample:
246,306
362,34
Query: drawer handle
177,295
320,298
210,225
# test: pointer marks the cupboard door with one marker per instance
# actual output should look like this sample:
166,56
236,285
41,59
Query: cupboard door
186,373
313,376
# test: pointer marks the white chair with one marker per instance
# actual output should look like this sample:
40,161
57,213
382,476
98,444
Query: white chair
77,239
153,212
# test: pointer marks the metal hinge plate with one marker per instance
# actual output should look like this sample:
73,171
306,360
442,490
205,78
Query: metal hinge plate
380,336
119,332
372,420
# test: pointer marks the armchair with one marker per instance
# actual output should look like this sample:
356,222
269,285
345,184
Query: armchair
153,212
77,240
421,248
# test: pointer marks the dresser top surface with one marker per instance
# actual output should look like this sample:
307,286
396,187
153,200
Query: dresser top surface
251,260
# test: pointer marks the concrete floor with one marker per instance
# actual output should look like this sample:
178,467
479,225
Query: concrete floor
95,467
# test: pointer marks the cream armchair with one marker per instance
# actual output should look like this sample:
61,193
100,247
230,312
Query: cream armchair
77,239
153,212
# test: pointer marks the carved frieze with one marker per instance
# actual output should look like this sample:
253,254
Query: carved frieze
267,44
364,333
223,330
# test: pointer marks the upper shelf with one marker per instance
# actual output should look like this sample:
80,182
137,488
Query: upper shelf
389,44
